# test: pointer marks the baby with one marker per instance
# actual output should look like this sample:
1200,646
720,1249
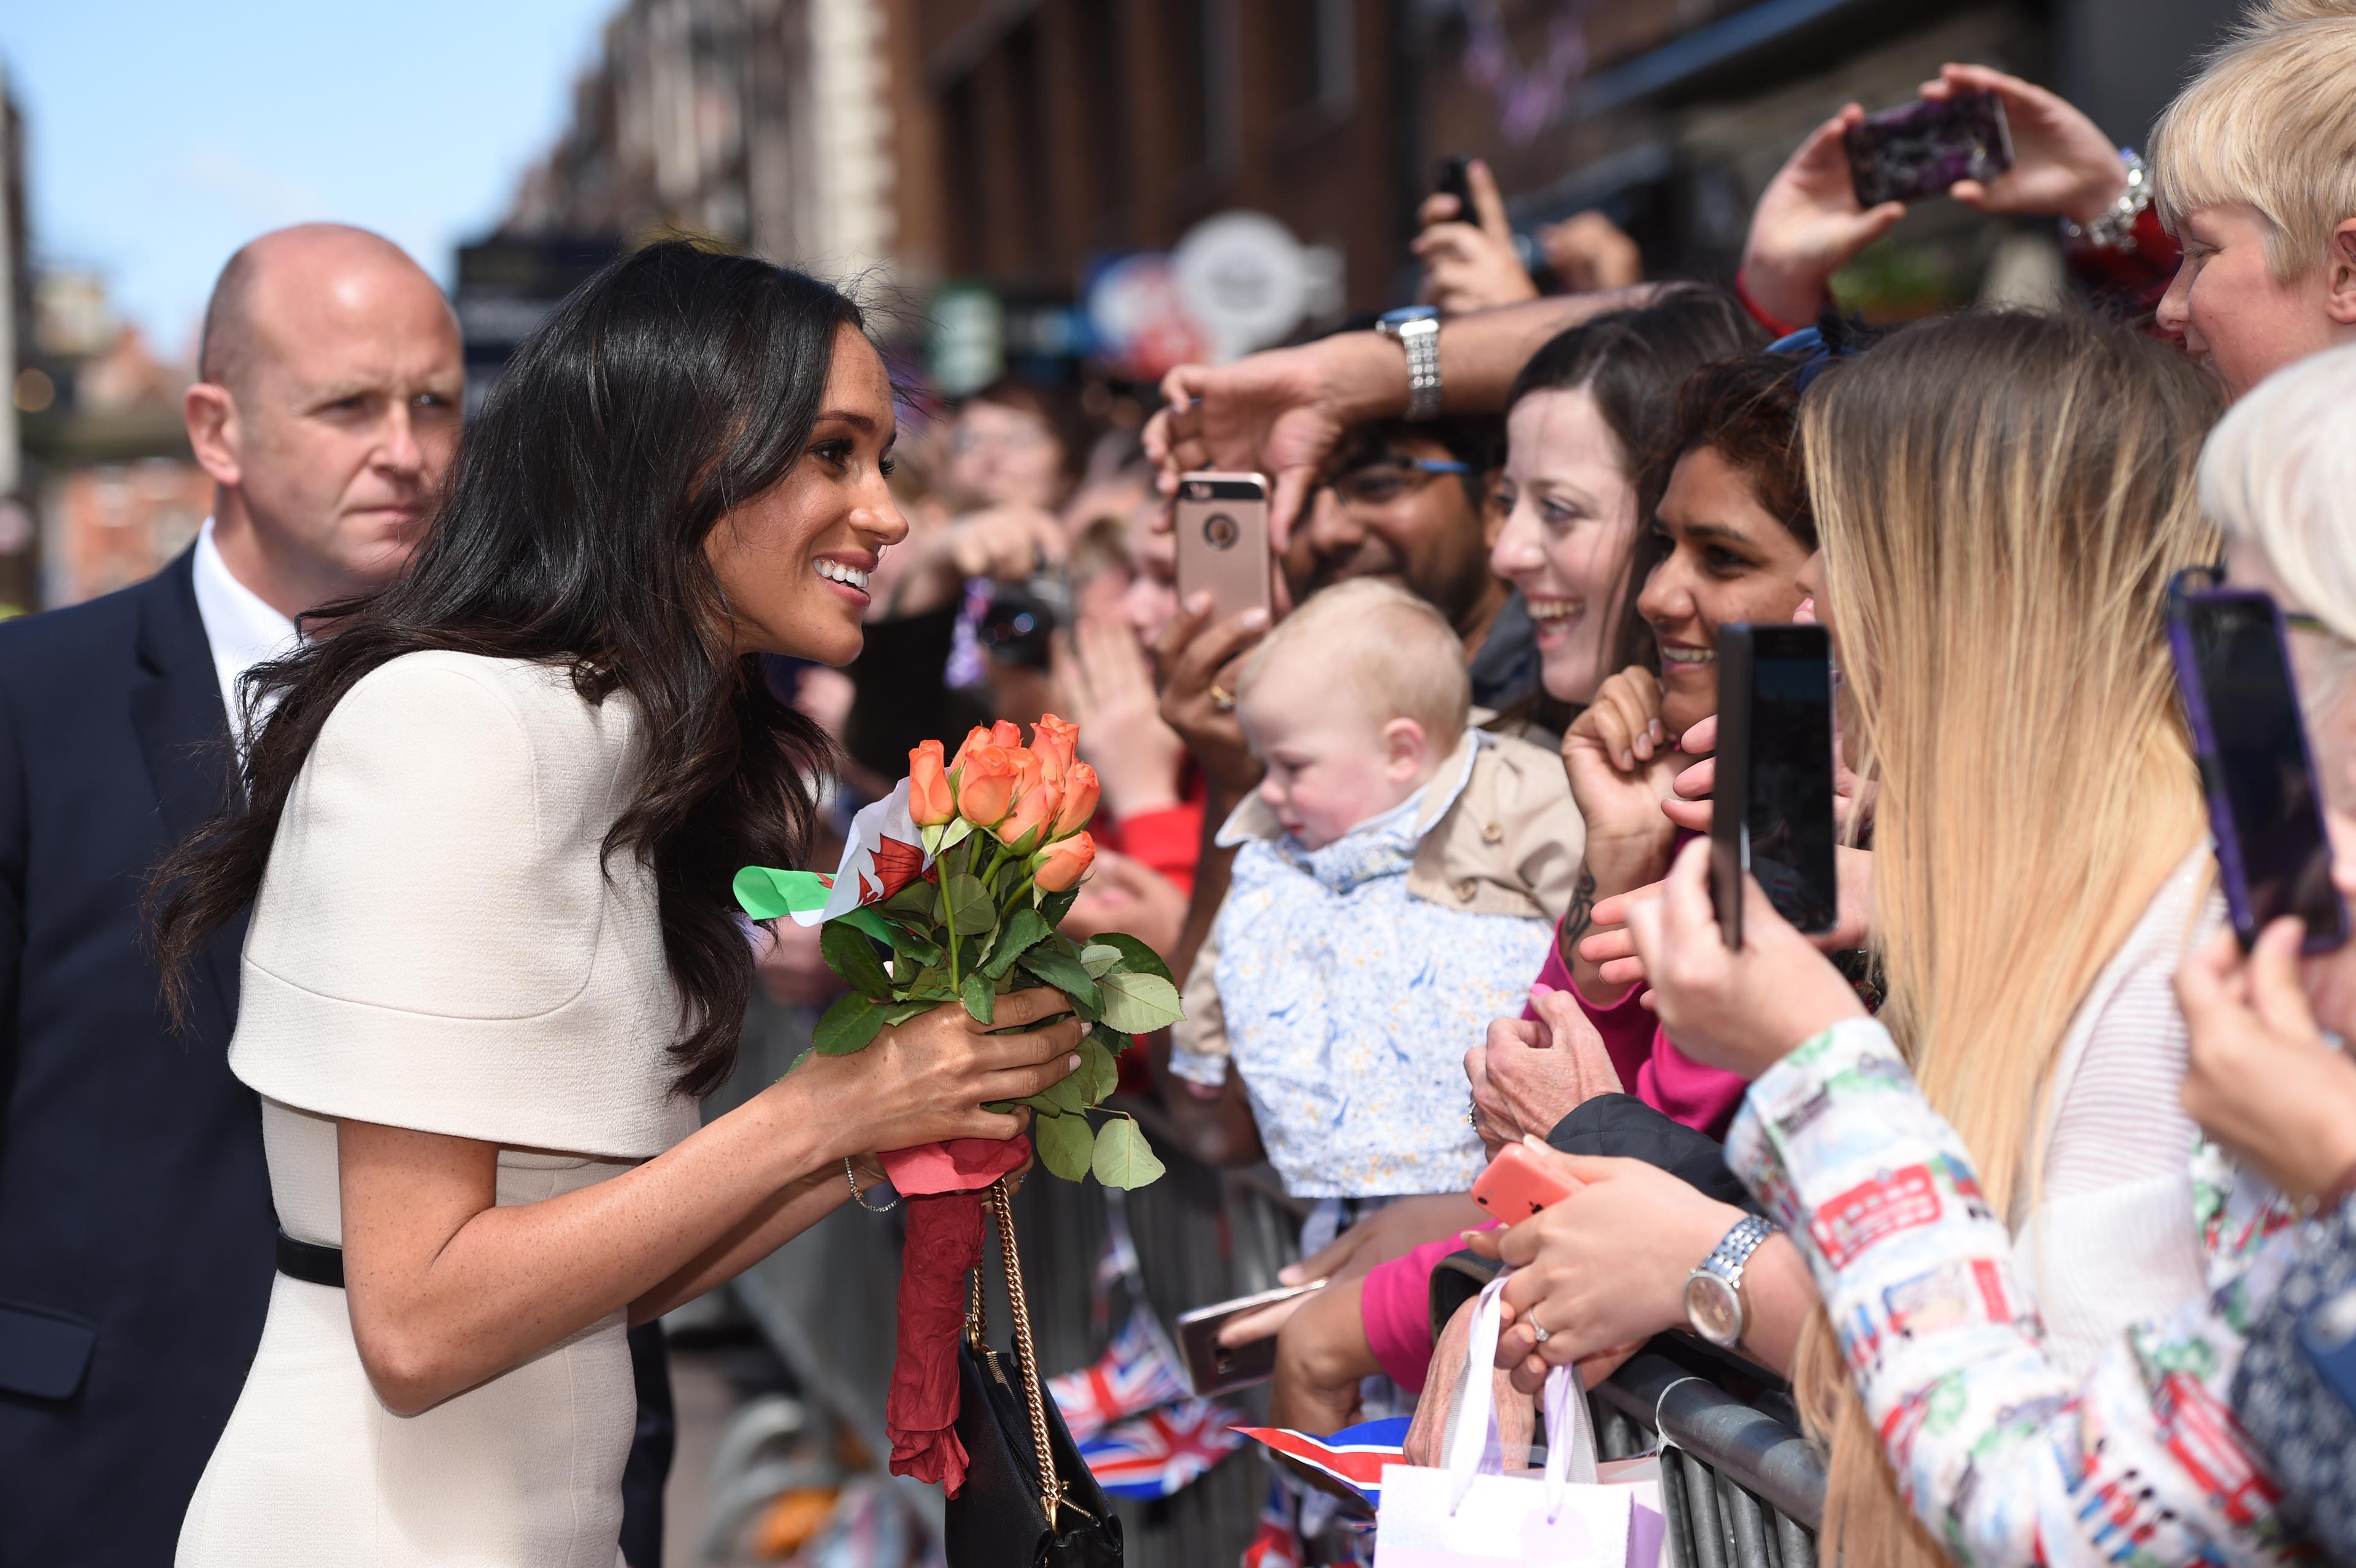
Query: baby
1397,882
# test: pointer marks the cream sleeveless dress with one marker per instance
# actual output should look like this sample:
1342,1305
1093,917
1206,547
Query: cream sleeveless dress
437,946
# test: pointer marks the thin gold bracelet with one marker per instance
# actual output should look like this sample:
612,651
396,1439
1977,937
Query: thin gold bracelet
852,1175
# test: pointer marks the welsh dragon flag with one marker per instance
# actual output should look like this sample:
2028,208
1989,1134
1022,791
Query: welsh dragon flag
885,853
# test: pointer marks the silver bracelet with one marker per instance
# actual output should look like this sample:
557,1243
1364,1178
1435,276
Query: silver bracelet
2115,230
852,1175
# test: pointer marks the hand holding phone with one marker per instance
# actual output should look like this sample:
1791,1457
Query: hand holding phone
1452,176
1213,1367
1220,521
1772,815
1917,150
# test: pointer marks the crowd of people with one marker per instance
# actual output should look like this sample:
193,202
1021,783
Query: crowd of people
325,1236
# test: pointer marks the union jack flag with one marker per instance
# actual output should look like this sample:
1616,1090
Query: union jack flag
1278,1544
1355,1456
1154,1455
1133,1376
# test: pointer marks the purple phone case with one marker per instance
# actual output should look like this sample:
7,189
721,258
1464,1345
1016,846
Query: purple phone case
1917,150
2231,871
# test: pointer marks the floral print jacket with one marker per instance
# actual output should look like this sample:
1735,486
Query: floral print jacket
2005,1457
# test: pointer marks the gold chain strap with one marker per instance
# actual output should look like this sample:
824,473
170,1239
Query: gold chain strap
1050,1484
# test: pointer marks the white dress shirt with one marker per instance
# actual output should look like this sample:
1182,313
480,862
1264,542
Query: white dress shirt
241,627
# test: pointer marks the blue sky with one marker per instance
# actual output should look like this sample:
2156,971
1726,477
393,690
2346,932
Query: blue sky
164,135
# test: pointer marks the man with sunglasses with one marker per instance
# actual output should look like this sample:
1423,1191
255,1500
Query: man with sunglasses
1408,503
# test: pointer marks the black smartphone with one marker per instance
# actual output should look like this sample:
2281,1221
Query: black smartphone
1772,808
2274,855
1917,150
1450,176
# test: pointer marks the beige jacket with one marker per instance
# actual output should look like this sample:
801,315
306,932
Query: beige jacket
1511,843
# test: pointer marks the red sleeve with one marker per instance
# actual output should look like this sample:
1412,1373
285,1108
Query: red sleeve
2139,274
1170,841
1650,1065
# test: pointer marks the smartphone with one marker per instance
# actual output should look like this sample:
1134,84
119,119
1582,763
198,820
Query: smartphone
1917,150
2274,855
1221,521
1449,176
1772,815
1518,1184
1213,1367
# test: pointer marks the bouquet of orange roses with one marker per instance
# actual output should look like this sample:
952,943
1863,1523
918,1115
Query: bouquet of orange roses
949,892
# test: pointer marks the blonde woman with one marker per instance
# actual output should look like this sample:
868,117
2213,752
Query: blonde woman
1994,1185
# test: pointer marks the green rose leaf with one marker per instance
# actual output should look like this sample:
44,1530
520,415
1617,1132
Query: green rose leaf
980,1000
913,903
1055,906
958,832
1123,1158
848,954
1136,957
967,906
1099,1073
1064,1145
847,1026
900,1012
932,984
1025,930
1098,959
1140,1004
915,944
1066,974
1065,1097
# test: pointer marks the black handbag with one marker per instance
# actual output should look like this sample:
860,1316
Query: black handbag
1011,1513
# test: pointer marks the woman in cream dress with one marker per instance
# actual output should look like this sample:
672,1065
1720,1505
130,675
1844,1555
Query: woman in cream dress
493,960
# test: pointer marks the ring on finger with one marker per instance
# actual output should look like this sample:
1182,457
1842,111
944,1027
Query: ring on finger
1222,698
1538,1332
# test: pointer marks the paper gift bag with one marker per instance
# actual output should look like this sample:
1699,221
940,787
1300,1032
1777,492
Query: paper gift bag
1473,1515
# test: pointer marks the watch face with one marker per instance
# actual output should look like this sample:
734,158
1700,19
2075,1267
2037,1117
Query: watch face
1713,1309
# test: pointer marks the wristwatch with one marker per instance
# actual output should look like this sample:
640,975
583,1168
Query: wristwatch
1714,1291
1416,328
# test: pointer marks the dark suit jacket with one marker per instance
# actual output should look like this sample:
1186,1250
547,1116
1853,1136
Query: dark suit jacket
135,1221
136,1225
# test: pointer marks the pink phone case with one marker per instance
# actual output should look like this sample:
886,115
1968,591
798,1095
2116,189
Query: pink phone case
1516,1186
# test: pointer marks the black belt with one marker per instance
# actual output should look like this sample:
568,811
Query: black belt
310,1262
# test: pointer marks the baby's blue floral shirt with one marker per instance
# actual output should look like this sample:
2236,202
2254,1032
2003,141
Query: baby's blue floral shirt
1350,1004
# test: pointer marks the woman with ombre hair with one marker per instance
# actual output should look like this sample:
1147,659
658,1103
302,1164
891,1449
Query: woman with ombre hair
2012,1224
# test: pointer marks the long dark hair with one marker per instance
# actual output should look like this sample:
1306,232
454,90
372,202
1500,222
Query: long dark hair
673,387
1632,363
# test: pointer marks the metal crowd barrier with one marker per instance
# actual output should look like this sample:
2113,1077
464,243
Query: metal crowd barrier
1742,1487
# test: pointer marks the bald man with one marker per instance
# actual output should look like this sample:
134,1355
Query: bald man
137,1236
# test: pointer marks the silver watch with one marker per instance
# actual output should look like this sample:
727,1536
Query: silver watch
1714,1291
1416,328
2115,230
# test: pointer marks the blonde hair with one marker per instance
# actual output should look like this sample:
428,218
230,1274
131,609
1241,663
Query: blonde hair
2269,124
2002,500
2279,471
1393,651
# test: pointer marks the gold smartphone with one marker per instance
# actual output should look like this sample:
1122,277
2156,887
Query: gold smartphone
1213,1367
1221,521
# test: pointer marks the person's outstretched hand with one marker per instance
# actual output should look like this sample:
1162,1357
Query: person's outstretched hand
1469,258
1199,660
1106,684
1280,412
1589,251
2260,1077
2062,165
1808,225
1742,1008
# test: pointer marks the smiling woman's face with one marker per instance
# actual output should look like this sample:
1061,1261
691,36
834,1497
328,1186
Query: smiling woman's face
1570,517
1728,561
794,560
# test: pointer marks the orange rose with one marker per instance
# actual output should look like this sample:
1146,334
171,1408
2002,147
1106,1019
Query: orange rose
1057,742
1035,800
1080,790
976,736
931,802
1007,735
1064,862
985,785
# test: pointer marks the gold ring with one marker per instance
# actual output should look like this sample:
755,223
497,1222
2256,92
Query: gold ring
1222,698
